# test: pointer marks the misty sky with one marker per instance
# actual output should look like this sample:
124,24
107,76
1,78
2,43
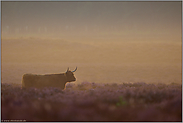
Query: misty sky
124,19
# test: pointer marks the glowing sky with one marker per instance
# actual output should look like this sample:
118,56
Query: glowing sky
124,19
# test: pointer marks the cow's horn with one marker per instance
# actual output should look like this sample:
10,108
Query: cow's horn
74,70
67,69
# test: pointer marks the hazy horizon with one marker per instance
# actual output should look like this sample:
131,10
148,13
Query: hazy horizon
158,20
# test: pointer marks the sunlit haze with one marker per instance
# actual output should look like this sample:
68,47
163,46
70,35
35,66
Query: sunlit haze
109,42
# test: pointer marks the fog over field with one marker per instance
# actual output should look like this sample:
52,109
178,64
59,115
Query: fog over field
97,61
109,42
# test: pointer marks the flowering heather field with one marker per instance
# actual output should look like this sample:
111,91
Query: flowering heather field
93,102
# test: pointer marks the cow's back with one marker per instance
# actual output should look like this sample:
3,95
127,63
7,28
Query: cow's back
29,80
40,81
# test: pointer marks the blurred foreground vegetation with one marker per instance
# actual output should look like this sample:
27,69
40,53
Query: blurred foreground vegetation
93,102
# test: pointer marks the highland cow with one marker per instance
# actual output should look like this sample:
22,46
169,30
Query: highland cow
48,80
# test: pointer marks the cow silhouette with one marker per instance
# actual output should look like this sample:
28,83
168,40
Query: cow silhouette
48,80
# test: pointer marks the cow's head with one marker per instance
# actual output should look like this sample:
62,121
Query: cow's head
70,76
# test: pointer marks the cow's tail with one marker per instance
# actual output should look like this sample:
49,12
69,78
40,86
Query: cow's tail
23,83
